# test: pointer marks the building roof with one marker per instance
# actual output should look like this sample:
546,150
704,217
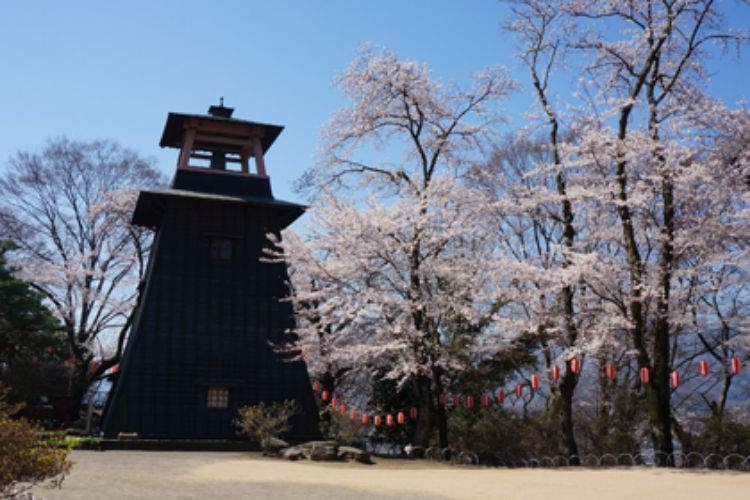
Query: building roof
176,122
150,205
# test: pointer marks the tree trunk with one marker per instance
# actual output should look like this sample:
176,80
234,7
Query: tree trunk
660,394
442,423
603,420
440,416
78,388
726,384
567,389
658,391
570,380
426,415
660,411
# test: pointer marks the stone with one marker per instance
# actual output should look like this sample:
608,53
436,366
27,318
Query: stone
351,453
127,436
324,451
277,444
274,447
412,451
292,453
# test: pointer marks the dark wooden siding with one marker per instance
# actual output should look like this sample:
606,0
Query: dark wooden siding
207,322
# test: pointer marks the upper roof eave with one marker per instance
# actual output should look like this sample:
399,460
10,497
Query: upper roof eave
175,126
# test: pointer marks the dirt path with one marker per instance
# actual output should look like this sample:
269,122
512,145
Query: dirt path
167,475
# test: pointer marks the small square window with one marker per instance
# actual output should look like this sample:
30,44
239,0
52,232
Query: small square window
218,397
221,248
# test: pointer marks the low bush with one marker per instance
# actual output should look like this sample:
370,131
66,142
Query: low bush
723,434
263,422
343,429
25,460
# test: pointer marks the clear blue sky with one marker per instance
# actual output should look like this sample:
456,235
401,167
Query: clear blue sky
94,69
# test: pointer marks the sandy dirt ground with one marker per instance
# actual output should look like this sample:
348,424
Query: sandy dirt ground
186,475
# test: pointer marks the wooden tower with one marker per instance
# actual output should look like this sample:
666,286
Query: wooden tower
200,347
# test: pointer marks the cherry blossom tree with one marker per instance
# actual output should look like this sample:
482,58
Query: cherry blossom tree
68,208
398,265
537,26
640,170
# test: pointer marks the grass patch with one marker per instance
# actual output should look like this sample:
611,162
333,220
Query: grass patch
59,439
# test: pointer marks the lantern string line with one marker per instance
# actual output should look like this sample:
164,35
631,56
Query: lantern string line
453,401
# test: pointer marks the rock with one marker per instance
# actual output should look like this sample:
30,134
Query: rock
351,453
310,444
414,451
127,436
274,447
292,453
277,444
324,450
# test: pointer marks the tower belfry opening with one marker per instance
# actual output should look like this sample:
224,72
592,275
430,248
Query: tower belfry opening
226,143
212,307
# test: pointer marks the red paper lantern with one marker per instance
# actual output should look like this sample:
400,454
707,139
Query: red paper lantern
456,400
401,418
535,382
470,402
443,399
316,387
501,397
353,414
703,368
485,400
365,419
519,390
645,375
736,366
92,365
324,396
378,420
555,372
413,413
389,420
334,403
116,369
674,377
575,365
609,371
50,349
70,360
343,409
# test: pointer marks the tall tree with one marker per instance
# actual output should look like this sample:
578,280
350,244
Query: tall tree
643,159
68,207
28,330
656,67
402,270
536,25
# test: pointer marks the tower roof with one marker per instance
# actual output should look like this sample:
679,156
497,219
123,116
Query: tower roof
220,139
177,123
150,207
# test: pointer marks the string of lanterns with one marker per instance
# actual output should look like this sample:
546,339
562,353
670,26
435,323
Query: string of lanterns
574,365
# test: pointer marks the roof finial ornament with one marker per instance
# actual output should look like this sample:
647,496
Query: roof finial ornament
220,110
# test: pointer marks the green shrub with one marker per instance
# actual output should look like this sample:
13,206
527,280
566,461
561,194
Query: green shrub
723,435
25,460
59,439
502,437
263,422
343,429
